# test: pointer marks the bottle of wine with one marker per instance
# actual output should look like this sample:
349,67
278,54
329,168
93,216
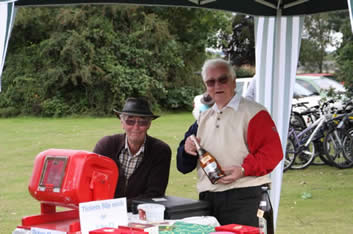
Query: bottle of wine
208,163
265,213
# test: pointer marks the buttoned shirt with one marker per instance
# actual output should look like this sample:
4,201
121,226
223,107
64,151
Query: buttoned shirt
233,103
129,162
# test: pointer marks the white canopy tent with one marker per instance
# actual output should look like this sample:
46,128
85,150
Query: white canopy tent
277,48
7,16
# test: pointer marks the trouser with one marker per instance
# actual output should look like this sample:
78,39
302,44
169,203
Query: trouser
235,206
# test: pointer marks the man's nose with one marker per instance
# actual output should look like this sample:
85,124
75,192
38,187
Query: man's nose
136,125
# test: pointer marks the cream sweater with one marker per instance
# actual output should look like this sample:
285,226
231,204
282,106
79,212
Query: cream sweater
224,135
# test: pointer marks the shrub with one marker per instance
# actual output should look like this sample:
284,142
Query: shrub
9,112
245,71
55,107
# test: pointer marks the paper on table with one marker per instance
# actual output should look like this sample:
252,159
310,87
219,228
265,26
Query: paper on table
35,230
104,213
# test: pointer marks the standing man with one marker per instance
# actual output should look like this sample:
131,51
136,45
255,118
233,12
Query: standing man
143,161
241,135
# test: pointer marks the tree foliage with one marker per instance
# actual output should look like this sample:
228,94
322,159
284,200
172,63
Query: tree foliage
239,44
344,55
317,36
89,59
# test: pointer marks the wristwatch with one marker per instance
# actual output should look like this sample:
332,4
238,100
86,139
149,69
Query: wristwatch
242,171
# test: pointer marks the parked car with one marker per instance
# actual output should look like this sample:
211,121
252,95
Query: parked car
301,94
243,85
320,83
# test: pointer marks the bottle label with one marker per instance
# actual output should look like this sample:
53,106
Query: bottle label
211,167
263,226
263,203
260,213
205,159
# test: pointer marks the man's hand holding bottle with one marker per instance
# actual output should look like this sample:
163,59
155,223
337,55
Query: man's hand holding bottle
225,175
190,146
232,174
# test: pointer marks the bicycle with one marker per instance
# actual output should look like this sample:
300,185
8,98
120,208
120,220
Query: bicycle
302,145
296,121
301,115
338,143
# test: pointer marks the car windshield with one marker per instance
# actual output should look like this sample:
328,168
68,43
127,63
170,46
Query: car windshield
307,85
300,91
326,84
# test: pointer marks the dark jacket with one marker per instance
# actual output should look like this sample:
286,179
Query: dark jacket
186,162
150,179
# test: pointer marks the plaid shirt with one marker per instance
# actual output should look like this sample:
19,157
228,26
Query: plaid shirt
129,162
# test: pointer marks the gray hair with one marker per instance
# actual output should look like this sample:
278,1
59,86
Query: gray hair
214,63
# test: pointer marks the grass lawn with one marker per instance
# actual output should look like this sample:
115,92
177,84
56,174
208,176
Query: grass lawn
329,210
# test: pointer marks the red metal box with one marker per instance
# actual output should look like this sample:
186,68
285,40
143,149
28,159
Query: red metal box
67,177
63,177
239,229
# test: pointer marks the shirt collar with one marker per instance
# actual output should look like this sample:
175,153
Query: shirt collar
233,103
140,151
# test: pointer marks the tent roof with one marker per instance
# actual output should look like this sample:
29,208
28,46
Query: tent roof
250,7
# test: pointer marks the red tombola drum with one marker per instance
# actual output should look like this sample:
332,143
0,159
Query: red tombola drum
65,177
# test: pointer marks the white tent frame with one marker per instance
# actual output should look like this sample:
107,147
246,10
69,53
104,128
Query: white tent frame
7,16
276,63
276,77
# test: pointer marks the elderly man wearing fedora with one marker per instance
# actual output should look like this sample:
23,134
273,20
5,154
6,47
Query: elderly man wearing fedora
143,161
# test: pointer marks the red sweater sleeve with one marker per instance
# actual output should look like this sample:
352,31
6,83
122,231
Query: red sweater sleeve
264,144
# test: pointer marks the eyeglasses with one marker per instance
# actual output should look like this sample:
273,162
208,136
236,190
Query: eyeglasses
221,80
141,122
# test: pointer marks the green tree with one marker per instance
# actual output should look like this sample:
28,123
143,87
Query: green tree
88,59
344,56
239,45
317,35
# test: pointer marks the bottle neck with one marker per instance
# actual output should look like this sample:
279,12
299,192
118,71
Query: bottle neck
193,138
199,149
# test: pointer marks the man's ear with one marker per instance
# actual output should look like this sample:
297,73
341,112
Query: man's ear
122,124
149,125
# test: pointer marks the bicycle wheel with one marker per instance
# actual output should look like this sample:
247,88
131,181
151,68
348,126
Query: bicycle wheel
318,160
304,157
297,121
321,157
290,154
338,146
350,131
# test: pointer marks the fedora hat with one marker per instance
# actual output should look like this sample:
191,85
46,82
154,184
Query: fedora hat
136,107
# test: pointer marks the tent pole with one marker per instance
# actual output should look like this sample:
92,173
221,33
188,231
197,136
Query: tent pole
7,14
277,49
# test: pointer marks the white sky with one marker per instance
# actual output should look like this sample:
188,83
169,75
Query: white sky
337,39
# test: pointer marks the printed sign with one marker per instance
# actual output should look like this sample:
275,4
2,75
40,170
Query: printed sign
100,214
45,231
